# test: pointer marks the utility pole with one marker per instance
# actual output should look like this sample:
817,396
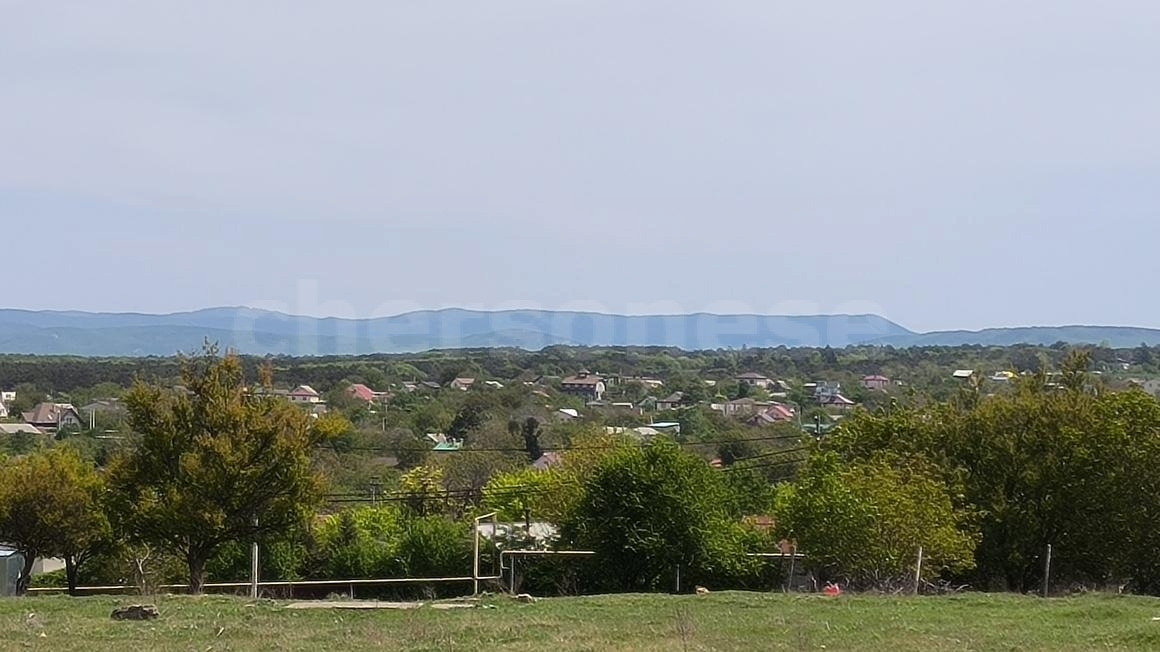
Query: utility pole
376,484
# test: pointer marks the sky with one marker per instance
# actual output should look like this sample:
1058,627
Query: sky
952,164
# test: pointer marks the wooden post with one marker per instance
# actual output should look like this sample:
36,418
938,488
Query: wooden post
1047,572
918,572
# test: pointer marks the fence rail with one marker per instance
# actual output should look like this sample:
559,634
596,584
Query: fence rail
509,555
288,584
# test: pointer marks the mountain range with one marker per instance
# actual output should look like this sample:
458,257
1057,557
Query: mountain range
260,332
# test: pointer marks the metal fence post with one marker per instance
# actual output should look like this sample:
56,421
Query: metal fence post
792,562
254,568
918,572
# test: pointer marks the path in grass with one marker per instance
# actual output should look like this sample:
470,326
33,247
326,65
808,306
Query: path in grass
719,621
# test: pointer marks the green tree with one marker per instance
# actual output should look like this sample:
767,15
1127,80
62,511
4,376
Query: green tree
435,546
469,418
649,511
421,491
359,542
520,495
215,464
865,522
51,506
531,434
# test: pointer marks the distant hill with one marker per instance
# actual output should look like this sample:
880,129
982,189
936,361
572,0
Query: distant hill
260,332
264,332
1117,337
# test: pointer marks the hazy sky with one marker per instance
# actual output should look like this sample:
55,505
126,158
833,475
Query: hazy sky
946,164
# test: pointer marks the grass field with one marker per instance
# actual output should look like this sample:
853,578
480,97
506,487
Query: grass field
719,621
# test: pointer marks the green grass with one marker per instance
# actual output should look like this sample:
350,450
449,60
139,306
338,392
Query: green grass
719,621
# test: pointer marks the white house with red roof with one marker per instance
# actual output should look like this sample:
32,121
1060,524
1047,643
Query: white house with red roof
304,394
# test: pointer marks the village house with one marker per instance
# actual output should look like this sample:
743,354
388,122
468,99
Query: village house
304,394
584,384
54,416
755,380
546,461
6,399
261,391
1150,386
836,401
742,407
876,382
650,383
17,428
462,384
776,413
670,402
104,406
364,393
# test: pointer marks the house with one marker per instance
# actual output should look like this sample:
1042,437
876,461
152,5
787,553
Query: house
546,461
640,433
462,384
671,427
649,383
7,397
567,414
824,388
875,382
262,391
304,394
17,428
741,407
671,402
104,406
963,374
431,385
754,380
584,384
1150,386
776,413
493,384
54,416
836,400
3,410
362,392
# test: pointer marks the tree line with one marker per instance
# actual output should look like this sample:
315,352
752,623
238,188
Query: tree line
983,483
